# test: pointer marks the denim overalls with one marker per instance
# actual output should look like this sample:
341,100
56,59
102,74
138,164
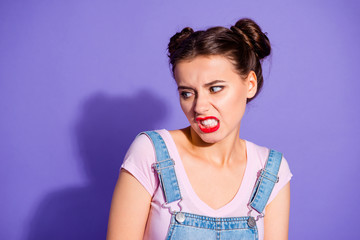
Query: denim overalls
185,225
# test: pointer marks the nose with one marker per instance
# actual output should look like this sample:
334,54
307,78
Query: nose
201,104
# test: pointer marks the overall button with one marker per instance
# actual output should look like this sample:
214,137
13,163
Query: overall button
251,222
180,217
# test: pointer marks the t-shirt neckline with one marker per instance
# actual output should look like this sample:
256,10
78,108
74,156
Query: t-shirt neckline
184,180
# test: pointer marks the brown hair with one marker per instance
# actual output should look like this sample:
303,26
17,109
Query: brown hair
244,44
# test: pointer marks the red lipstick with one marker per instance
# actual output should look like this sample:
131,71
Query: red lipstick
207,129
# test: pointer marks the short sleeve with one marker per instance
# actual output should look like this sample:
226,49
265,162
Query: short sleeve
138,161
284,177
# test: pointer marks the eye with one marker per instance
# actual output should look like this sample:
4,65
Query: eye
215,89
185,95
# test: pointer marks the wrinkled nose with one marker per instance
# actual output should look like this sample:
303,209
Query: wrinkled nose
201,104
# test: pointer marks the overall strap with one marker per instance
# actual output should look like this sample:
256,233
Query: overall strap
267,178
164,166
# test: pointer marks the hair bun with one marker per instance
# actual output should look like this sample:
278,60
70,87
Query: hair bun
178,38
253,36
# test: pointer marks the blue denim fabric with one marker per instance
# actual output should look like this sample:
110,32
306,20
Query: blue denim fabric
197,227
165,168
192,226
266,181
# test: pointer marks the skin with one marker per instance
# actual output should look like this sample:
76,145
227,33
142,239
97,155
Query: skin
208,86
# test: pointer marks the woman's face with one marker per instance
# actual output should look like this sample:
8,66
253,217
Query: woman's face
213,96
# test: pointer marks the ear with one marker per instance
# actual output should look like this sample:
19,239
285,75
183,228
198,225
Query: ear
251,82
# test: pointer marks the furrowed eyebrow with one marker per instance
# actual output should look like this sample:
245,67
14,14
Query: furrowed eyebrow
184,87
213,82
205,85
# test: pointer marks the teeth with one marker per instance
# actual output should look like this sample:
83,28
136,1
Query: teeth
209,122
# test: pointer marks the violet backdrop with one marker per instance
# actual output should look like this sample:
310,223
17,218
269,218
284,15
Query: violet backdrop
79,80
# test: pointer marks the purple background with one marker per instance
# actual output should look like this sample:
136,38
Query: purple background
79,79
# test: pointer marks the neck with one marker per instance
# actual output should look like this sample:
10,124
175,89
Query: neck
220,153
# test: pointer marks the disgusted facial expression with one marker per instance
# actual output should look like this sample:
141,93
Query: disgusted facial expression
213,96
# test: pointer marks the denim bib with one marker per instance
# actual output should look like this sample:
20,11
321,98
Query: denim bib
190,226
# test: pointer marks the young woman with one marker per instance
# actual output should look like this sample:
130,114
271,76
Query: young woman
203,181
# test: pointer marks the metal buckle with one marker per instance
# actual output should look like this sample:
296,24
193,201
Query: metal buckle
263,175
156,165
169,207
261,215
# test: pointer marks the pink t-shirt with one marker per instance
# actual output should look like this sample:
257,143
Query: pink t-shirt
141,156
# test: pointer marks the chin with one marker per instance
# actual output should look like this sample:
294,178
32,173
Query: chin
209,138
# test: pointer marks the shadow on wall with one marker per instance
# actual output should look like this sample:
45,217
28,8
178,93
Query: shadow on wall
103,133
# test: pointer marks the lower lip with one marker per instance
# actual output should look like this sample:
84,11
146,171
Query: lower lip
208,130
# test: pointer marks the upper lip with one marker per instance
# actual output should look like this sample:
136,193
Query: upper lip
207,117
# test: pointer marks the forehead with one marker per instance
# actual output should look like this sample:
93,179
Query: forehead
204,69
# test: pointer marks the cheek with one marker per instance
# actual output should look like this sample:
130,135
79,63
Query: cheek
234,106
186,108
